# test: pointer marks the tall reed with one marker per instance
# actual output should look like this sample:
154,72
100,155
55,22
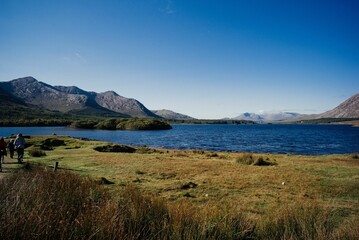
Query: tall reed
42,204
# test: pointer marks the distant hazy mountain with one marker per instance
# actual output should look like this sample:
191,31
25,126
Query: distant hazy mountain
347,109
168,114
267,117
73,99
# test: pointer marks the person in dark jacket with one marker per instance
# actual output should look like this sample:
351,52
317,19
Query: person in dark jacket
11,148
2,151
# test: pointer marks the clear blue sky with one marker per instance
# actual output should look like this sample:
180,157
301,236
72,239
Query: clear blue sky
207,59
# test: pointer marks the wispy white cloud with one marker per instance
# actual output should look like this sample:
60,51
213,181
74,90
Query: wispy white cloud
74,58
80,57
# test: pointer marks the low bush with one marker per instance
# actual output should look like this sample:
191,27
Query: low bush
115,148
250,159
36,152
50,143
261,162
245,158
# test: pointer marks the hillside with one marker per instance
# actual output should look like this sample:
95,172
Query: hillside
347,109
114,102
14,108
73,100
168,114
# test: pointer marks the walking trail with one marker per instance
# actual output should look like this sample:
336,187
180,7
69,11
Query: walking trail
9,166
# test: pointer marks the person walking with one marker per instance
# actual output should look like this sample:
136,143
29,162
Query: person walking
19,144
11,148
2,152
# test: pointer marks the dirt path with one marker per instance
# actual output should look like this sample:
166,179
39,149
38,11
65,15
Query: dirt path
8,167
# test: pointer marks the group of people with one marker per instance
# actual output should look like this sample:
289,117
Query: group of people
18,144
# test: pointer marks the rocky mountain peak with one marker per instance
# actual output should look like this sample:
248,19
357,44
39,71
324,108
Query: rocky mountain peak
73,99
347,109
109,93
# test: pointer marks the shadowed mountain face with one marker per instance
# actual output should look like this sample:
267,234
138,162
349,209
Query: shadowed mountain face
347,109
73,99
14,108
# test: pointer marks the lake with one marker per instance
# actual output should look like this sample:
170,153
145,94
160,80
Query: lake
262,138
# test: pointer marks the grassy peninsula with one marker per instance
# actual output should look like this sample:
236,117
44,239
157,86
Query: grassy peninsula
112,191
93,123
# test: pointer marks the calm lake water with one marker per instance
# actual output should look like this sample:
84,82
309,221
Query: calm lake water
272,138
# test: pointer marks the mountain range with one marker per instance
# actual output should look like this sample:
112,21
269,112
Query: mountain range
28,97
267,117
31,93
347,109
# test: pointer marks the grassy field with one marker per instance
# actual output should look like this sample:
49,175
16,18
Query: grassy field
318,193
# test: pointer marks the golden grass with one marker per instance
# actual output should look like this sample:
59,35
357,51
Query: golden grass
260,192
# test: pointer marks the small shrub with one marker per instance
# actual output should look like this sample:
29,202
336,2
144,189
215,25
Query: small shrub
249,159
139,172
212,155
115,148
50,143
261,162
189,185
36,152
26,166
198,152
105,181
246,158
355,156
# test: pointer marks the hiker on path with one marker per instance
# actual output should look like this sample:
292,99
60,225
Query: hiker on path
11,148
2,151
19,146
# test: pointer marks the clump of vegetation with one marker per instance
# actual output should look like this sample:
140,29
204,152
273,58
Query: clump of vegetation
212,155
86,124
36,152
35,121
115,148
261,162
189,185
250,159
196,151
139,172
355,156
50,143
245,158
105,181
123,124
